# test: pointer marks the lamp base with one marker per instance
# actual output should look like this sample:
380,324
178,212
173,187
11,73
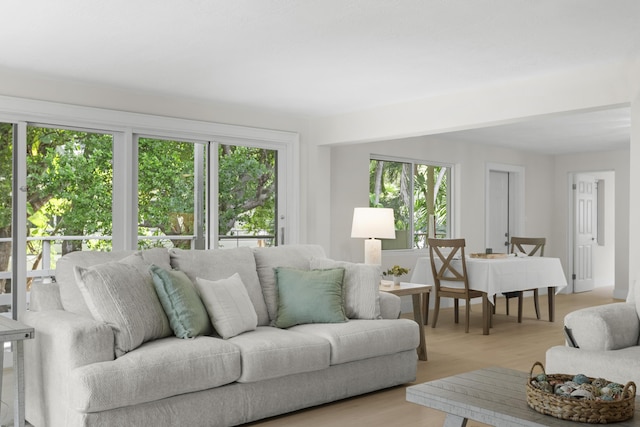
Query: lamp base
373,251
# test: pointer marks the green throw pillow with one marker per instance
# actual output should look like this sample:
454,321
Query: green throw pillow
187,316
309,296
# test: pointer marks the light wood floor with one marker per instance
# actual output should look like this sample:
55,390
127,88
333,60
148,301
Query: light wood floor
451,351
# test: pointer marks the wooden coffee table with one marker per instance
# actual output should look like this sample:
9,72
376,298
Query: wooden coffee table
494,396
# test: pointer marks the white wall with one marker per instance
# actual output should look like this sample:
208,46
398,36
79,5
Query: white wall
333,179
350,188
617,161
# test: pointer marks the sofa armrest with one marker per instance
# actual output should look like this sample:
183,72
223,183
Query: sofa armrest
62,342
605,327
390,306
67,340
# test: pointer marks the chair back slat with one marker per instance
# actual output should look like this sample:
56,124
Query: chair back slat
447,271
528,245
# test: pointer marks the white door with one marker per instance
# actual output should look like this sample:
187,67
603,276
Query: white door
498,211
585,232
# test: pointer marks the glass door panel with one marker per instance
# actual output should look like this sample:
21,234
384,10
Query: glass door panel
6,211
69,196
247,196
168,172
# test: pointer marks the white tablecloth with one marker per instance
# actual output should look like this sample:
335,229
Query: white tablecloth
494,276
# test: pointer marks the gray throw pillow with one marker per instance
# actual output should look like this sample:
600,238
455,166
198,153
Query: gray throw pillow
122,295
228,304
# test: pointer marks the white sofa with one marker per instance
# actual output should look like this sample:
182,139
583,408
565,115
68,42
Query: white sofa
79,373
605,343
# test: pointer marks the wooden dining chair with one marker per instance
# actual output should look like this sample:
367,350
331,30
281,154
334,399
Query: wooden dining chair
531,246
446,275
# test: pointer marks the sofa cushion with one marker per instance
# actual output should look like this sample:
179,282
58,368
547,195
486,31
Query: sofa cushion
154,371
267,259
70,296
270,352
220,264
122,295
362,339
228,305
309,296
361,287
181,303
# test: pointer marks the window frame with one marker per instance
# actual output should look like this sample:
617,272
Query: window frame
451,214
124,126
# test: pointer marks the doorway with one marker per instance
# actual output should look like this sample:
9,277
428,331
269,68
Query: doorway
592,229
504,205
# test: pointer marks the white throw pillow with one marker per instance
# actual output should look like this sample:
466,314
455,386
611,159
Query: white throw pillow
122,295
228,304
361,287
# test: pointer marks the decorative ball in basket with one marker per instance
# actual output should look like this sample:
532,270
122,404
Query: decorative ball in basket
580,398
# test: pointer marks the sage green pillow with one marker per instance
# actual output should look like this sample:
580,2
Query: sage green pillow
187,315
313,296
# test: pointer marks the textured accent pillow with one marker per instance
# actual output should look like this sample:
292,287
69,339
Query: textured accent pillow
122,295
309,296
182,305
228,304
361,287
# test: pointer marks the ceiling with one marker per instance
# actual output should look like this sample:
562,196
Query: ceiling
321,58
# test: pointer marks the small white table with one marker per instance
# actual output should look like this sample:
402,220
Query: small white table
15,332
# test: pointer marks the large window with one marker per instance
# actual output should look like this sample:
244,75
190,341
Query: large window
173,196
93,179
418,193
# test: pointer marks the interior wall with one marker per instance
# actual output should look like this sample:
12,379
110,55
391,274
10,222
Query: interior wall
612,161
350,188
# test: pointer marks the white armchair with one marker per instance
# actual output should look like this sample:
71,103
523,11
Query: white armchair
605,343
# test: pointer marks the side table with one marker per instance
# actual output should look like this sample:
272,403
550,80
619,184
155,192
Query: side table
420,296
15,332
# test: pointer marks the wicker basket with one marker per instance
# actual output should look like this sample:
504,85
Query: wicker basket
575,409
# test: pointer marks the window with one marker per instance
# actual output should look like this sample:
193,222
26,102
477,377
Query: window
418,193
247,196
168,195
6,179
90,188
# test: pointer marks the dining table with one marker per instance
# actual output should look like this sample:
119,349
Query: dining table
508,273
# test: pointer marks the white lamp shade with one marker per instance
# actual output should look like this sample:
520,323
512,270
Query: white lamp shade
370,223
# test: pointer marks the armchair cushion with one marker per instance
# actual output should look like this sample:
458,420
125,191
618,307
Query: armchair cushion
605,327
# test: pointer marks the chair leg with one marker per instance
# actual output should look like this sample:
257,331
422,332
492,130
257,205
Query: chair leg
536,302
467,313
520,304
436,310
456,311
506,301
494,304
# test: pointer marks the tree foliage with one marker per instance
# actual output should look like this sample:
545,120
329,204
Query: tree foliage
70,186
390,187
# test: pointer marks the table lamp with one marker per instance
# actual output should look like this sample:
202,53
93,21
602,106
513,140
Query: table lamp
373,224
